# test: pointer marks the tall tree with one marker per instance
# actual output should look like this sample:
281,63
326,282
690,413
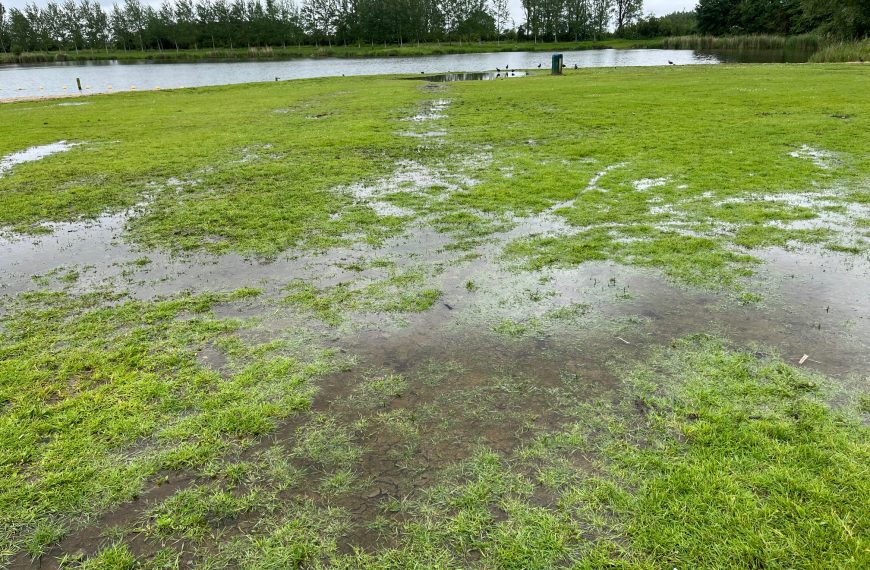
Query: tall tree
552,18
500,13
320,16
602,12
578,15
532,10
72,22
627,12
135,18
3,28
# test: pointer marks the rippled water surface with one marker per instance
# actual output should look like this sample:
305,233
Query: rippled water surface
104,77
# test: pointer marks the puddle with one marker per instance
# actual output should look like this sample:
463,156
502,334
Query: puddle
649,183
472,76
387,209
414,178
824,159
590,187
32,154
425,134
434,110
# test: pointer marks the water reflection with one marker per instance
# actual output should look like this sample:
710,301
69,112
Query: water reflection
473,76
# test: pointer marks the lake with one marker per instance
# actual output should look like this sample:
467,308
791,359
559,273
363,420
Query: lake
53,79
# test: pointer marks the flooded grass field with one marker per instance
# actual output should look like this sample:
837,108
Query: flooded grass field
617,318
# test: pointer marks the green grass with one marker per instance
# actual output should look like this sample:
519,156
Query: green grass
100,393
711,457
310,51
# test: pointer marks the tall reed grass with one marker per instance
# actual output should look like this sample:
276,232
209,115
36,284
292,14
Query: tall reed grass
805,42
843,51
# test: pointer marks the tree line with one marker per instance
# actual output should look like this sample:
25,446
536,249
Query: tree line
838,18
184,24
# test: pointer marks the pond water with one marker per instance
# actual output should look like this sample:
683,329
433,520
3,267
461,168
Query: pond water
758,55
53,79
473,76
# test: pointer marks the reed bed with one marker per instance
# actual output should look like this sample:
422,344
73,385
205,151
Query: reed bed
808,42
843,52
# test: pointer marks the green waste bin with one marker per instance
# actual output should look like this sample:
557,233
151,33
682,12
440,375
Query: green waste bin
556,68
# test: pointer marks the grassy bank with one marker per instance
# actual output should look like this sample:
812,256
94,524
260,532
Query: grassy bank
385,323
308,51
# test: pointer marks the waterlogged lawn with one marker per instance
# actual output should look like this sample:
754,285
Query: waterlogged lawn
100,393
248,169
685,170
348,378
714,458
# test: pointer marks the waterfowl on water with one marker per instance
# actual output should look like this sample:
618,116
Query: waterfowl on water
539,66
671,62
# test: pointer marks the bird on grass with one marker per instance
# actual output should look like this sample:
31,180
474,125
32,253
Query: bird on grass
575,66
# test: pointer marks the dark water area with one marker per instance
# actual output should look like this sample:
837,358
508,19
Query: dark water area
758,55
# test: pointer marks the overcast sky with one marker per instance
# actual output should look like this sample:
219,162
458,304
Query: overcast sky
657,7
